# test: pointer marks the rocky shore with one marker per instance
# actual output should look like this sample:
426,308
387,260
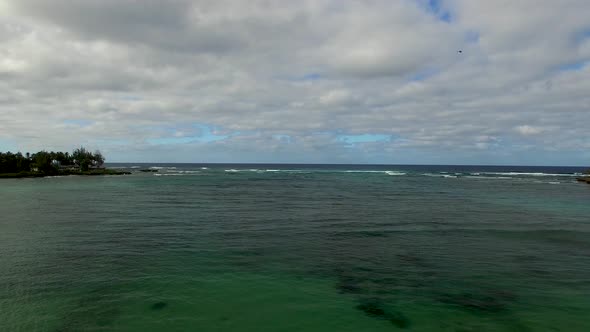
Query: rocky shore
94,172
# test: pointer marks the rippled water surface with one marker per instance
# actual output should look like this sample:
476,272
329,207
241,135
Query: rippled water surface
297,248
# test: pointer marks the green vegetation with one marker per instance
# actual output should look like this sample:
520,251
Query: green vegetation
43,163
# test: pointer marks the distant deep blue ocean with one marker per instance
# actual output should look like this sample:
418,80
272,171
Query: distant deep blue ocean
213,247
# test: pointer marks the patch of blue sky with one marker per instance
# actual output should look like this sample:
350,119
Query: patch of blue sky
436,8
582,35
579,65
434,5
206,135
7,145
311,77
446,16
78,122
423,75
283,138
364,138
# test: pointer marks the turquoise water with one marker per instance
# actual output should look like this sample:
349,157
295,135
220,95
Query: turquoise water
297,248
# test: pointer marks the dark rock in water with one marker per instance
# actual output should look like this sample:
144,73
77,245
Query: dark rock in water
159,305
149,170
375,309
398,319
372,309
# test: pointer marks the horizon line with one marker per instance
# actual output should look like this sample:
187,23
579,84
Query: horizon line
338,164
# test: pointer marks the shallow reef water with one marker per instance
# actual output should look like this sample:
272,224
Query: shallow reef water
298,248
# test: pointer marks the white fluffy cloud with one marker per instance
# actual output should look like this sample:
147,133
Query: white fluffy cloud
284,81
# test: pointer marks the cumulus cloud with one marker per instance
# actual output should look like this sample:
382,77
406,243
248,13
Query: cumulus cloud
283,81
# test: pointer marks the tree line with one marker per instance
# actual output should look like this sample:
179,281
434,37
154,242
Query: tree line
50,162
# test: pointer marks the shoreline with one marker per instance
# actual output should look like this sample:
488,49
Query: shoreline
24,175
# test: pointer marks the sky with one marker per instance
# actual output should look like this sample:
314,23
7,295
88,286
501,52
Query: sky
498,82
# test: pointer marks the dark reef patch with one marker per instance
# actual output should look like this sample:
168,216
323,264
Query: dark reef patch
398,319
159,305
374,308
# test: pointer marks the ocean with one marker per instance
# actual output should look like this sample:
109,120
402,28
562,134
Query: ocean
212,247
